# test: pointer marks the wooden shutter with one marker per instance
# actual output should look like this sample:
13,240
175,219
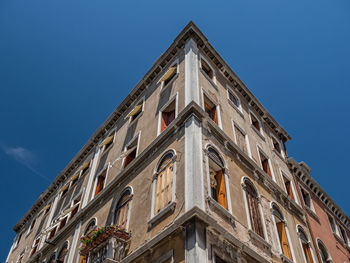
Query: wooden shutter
307,253
266,166
241,141
222,198
283,239
164,188
254,212
289,189
82,259
100,183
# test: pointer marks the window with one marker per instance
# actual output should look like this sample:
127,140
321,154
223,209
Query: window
20,258
265,163
167,115
207,69
131,151
255,122
332,223
217,178
62,223
169,75
252,200
100,182
75,207
52,259
107,143
241,139
62,255
32,225
234,99
164,182
218,259
288,186
136,112
52,232
35,246
276,145
306,198
343,234
122,210
18,239
305,245
210,109
91,226
323,252
281,231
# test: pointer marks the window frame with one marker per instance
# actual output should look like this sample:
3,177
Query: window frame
163,87
238,108
300,228
137,138
289,178
216,104
105,150
260,130
106,170
155,216
281,153
320,242
243,184
212,80
60,250
235,125
174,97
311,208
116,202
132,121
262,152
329,216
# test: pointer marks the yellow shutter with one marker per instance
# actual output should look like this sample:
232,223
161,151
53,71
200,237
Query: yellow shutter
64,187
46,207
84,166
74,177
168,73
284,240
135,110
106,141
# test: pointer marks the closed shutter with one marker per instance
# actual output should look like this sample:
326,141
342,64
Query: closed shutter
254,212
283,239
58,207
164,188
241,141
222,198
40,225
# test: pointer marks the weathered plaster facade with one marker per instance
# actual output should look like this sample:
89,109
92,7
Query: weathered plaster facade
194,225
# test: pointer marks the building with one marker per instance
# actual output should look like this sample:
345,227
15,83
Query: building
190,167
328,224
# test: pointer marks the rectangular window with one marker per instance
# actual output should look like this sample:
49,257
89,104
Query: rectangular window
332,223
265,164
288,186
32,225
131,152
306,198
343,235
241,139
210,109
75,207
52,232
100,182
169,75
167,116
137,110
62,223
207,69
276,145
107,143
234,99
35,246
282,234
255,123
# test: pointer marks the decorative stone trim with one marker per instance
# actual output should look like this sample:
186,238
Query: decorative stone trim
164,212
260,240
216,207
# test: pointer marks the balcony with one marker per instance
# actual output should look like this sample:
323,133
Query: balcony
106,244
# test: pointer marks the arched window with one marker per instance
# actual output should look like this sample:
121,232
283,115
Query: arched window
281,231
253,208
305,245
323,252
164,182
122,209
217,177
62,255
90,226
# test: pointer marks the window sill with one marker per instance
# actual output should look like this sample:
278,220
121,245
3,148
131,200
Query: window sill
285,259
239,111
209,79
164,212
339,239
135,120
259,239
219,209
258,132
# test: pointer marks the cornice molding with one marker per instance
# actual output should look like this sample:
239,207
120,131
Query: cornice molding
302,172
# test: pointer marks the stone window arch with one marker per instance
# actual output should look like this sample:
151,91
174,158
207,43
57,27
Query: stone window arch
121,211
305,244
325,256
62,255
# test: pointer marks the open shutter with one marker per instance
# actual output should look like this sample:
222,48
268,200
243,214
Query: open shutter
222,198
68,198
82,259
307,253
289,189
58,208
283,239
169,183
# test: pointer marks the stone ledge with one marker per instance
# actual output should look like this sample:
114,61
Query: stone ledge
216,207
164,212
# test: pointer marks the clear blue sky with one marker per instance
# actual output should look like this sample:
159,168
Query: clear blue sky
66,65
